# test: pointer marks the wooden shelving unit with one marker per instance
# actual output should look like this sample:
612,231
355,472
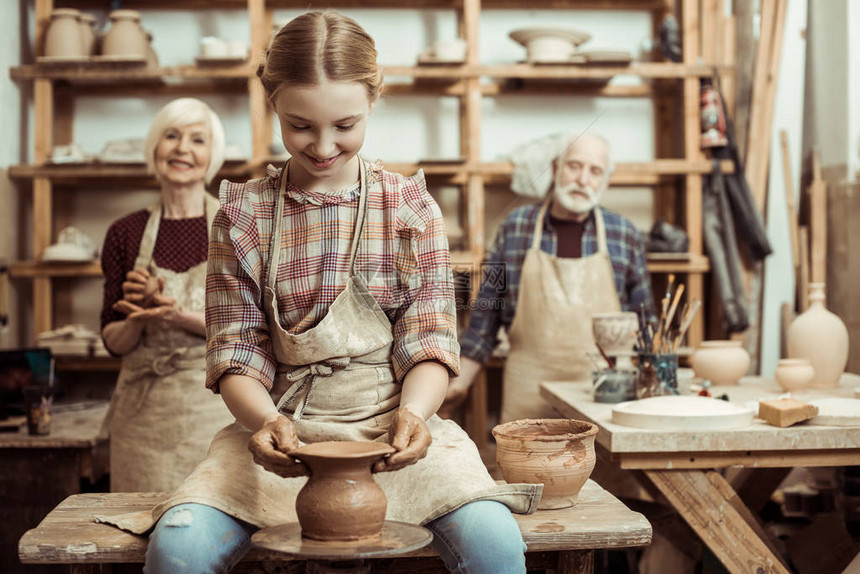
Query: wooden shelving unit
673,87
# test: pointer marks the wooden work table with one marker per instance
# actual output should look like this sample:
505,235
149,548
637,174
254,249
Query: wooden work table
38,472
681,464
562,539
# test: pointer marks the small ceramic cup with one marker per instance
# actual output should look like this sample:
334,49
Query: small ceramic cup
213,47
450,50
794,374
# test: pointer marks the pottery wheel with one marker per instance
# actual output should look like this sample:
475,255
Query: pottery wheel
397,538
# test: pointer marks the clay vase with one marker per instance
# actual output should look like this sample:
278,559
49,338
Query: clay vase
616,334
341,501
820,336
63,38
721,362
794,374
558,453
86,25
125,37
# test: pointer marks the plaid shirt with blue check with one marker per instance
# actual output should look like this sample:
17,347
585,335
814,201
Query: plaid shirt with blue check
502,267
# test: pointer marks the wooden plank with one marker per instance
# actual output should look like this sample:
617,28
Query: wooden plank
705,501
728,57
817,224
39,269
744,15
803,274
476,409
764,95
666,70
709,35
262,123
751,458
68,535
789,199
563,88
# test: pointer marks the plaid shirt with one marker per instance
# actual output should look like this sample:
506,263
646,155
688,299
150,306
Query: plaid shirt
402,256
503,265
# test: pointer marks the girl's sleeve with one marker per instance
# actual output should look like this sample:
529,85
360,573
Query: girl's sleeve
237,333
425,328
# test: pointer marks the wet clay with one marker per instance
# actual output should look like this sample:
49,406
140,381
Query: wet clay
341,501
558,453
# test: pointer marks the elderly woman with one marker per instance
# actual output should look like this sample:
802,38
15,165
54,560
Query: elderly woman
162,417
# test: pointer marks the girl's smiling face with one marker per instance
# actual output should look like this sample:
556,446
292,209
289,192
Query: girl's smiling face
323,128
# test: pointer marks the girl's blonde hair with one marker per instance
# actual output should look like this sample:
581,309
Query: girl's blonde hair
183,112
321,45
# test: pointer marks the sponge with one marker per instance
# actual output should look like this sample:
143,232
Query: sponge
785,412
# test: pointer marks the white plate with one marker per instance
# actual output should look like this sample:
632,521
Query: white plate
525,35
836,411
682,413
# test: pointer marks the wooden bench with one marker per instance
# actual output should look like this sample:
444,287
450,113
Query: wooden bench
560,540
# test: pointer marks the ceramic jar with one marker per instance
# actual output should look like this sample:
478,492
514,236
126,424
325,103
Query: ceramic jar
63,39
341,501
616,334
721,362
89,39
820,336
794,374
558,453
125,37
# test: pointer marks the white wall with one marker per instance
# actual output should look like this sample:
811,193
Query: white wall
787,116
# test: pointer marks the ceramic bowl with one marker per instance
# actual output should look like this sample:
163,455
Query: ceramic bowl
558,453
794,374
549,44
721,362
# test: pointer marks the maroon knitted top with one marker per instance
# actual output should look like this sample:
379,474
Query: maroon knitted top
181,244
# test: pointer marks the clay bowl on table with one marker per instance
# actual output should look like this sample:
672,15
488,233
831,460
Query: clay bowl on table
615,332
721,362
341,501
558,453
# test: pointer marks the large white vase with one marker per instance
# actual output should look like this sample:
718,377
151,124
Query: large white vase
820,336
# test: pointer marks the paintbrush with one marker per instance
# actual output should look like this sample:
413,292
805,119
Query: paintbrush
674,306
685,322
605,356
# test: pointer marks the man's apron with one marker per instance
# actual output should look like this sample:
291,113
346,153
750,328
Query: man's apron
551,335
336,382
162,417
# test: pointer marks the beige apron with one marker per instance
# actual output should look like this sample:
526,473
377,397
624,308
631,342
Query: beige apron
337,382
162,417
551,332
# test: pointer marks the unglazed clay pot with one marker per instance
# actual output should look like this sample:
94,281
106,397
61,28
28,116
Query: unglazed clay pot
89,38
616,334
794,374
125,37
721,362
341,501
63,38
558,453
820,336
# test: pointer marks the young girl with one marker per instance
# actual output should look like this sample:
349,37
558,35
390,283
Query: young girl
330,316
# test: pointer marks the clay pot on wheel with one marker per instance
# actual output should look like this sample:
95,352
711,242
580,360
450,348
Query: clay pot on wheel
341,501
721,362
558,453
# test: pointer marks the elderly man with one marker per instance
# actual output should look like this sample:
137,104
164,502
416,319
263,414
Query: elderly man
562,261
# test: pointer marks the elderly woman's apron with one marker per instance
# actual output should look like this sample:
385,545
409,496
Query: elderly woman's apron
336,382
551,332
162,417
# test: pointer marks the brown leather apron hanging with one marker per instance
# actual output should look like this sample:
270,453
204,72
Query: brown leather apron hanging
551,334
162,417
337,382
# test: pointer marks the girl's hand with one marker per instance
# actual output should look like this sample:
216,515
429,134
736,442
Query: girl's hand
271,446
408,434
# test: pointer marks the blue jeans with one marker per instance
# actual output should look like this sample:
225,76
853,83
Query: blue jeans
478,538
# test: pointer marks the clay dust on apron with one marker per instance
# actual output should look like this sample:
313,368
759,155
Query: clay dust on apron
551,335
162,417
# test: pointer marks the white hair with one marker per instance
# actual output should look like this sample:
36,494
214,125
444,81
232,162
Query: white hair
183,112
573,138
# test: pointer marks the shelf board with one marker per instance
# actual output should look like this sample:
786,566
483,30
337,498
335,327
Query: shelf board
112,173
449,4
691,263
135,77
38,269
